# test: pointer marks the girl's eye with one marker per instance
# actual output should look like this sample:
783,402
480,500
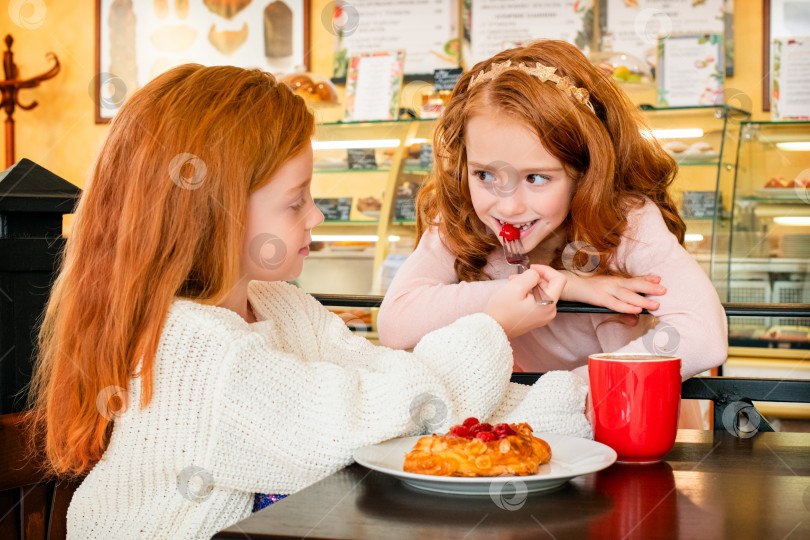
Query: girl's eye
537,179
484,176
300,204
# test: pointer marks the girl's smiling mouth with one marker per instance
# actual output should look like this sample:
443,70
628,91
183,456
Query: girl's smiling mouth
523,227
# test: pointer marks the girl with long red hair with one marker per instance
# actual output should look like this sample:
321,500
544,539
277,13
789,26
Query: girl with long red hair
540,139
181,374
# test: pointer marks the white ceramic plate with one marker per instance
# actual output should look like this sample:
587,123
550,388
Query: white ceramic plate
570,457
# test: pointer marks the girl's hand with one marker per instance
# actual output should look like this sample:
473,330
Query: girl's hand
614,292
514,306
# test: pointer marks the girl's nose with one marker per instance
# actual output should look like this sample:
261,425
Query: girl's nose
510,202
314,217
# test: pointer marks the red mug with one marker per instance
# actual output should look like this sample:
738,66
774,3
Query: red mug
636,401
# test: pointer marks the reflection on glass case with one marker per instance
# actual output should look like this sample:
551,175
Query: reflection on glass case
704,141
365,181
770,238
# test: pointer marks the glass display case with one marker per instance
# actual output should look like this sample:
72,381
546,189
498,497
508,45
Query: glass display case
704,142
367,175
770,237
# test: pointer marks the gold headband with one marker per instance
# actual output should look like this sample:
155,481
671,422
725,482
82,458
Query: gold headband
544,73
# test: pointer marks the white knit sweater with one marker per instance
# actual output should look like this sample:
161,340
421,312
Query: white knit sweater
274,406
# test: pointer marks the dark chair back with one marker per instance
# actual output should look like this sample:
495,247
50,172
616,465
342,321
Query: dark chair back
33,506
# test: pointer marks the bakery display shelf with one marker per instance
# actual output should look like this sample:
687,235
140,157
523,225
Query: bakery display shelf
403,231
350,222
417,170
790,359
697,162
764,343
347,228
689,108
346,170
782,208
784,196
771,265
769,133
359,252
362,123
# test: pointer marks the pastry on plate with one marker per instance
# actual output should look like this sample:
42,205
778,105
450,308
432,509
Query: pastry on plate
479,449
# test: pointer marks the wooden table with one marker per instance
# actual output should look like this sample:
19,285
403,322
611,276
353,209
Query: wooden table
711,485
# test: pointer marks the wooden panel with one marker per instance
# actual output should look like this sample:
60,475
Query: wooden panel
34,503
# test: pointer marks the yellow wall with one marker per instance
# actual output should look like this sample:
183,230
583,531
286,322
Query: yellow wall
60,133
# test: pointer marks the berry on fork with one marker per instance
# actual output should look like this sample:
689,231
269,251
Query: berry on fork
510,232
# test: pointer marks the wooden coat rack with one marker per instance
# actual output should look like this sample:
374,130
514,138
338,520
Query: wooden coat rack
11,87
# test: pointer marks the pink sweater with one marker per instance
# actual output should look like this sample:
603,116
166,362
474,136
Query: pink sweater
426,295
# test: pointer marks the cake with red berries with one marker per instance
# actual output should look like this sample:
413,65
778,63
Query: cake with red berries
479,449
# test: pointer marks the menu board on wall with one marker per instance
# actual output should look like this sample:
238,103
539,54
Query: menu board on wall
373,85
788,19
426,29
690,70
790,78
492,26
634,27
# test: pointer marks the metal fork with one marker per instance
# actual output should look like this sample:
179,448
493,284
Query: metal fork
517,256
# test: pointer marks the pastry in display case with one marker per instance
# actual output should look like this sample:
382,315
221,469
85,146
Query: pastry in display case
770,236
317,90
699,151
370,206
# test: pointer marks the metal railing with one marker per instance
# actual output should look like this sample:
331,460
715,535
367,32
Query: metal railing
732,309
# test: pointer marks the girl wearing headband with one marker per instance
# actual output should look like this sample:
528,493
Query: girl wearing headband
540,139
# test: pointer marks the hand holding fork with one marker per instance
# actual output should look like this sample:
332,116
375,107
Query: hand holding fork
517,256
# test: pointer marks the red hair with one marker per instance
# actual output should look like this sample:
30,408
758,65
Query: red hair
162,216
613,166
